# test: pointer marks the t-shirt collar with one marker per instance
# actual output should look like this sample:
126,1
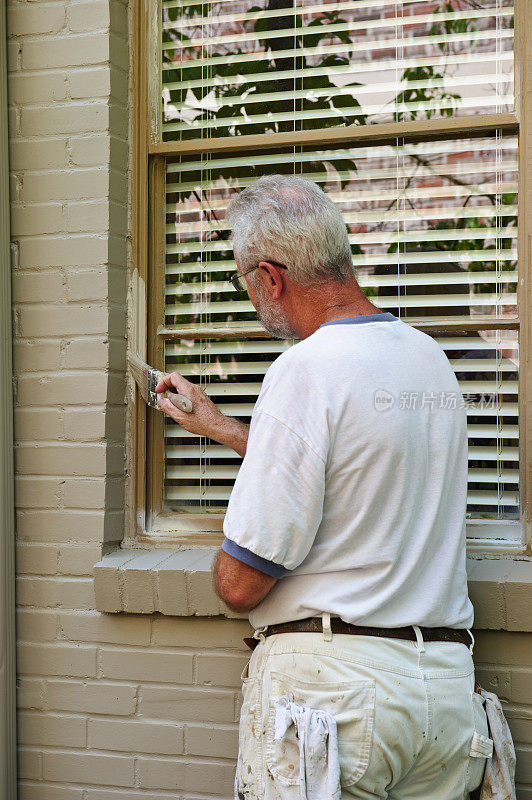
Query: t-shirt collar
383,317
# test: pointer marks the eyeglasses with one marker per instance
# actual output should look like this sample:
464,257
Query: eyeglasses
236,277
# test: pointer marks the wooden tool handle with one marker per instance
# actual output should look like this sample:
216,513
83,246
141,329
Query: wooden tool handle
180,401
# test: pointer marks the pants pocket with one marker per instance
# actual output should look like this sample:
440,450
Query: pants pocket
248,768
481,745
351,703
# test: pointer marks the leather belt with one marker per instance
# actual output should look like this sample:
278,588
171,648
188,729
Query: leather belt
314,625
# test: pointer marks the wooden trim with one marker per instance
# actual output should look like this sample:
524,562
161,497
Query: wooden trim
355,135
154,78
250,331
523,84
156,283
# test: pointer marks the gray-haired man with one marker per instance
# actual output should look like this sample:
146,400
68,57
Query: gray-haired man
345,531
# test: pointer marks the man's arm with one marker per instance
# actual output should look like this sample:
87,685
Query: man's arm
240,586
205,419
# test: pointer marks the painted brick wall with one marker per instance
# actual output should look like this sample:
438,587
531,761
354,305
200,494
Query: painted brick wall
110,706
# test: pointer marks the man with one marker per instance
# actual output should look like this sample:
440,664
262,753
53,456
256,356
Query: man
345,530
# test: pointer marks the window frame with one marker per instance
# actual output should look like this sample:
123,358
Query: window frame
145,520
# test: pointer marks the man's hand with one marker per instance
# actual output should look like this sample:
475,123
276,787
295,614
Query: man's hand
205,419
240,586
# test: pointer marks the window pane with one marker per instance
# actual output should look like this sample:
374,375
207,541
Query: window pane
200,473
432,226
240,67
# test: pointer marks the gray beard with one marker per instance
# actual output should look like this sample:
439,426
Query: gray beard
274,319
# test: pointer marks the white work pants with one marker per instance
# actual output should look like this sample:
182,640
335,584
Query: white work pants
405,712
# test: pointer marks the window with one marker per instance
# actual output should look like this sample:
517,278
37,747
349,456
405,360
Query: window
403,111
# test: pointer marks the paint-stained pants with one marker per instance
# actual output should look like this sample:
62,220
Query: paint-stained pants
405,711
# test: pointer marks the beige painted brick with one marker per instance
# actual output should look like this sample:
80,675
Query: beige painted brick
55,592
61,459
36,356
107,580
29,763
92,82
89,351
521,682
14,55
62,251
197,776
63,388
88,768
520,723
86,216
51,730
90,151
138,581
514,648
37,87
86,424
221,669
85,493
518,594
207,740
198,633
37,558
80,184
140,665
37,492
94,697
60,526
67,51
87,284
59,320
36,424
135,736
64,119
186,705
70,660
23,20
523,769
495,679
37,625
91,16
91,626
42,791
78,559
32,287
128,794
30,693
38,154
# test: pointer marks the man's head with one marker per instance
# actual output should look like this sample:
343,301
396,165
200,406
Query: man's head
287,221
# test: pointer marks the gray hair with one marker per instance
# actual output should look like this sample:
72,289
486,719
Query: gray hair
292,221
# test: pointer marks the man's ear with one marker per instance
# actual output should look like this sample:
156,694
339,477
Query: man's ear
273,279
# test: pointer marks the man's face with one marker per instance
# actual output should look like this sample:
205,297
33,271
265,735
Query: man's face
269,312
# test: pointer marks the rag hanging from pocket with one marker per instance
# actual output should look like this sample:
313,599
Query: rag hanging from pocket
499,778
319,767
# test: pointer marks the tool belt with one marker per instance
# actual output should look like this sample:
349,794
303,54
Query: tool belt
315,625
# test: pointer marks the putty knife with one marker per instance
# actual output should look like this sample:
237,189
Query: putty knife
147,378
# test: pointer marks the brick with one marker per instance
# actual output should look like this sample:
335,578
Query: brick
137,578
78,559
87,284
79,184
29,763
85,492
60,526
91,16
55,592
62,251
89,151
62,388
511,648
116,794
32,287
136,736
59,320
39,87
51,730
87,424
486,591
37,492
521,682
523,769
201,632
94,697
36,625
41,791
32,356
152,665
91,626
30,693
88,768
37,558
207,740
184,704
67,459
38,154
72,660
197,776
89,83
36,423
67,51
518,594
89,352
494,679
520,723
42,18
64,119
220,670
86,216
14,52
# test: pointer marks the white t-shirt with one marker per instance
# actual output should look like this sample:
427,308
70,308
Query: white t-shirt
353,488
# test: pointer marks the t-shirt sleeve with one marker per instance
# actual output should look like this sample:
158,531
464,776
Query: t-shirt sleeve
276,504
